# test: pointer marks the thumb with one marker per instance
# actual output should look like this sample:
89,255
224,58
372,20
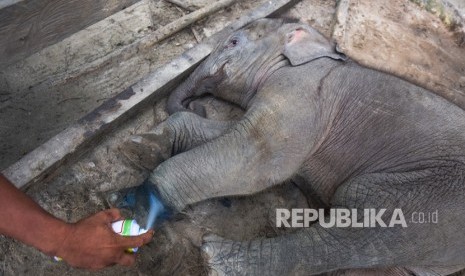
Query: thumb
127,259
111,215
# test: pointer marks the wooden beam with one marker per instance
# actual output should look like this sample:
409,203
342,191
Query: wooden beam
6,3
30,25
181,4
145,43
75,140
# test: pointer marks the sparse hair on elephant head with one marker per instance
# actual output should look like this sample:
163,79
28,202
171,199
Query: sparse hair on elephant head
243,61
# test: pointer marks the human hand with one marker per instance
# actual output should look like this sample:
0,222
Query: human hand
91,243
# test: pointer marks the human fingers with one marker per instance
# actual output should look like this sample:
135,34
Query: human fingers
111,215
127,259
135,241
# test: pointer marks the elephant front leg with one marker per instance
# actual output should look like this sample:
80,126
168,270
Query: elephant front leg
254,154
180,132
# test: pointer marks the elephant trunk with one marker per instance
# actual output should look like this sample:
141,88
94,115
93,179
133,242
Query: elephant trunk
185,91
197,84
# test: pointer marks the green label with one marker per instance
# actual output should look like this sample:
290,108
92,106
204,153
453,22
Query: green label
126,227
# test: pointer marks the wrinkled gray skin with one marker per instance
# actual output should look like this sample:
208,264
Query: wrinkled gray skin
356,137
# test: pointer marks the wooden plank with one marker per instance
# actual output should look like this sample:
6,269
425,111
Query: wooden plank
73,141
6,3
147,42
30,25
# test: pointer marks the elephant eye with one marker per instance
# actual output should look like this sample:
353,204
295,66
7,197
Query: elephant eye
233,42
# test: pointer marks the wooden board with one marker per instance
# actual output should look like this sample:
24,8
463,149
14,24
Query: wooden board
73,141
6,3
30,25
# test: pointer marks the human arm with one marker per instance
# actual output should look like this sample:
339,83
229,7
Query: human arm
24,220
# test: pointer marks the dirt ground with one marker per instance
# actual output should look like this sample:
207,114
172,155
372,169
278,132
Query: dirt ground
423,45
38,99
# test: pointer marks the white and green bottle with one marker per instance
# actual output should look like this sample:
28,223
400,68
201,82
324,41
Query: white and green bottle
128,227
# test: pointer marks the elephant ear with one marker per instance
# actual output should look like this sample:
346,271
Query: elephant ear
304,44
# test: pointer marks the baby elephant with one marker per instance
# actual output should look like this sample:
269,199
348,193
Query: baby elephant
357,138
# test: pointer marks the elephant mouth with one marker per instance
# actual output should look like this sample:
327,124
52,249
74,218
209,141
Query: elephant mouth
206,86
190,104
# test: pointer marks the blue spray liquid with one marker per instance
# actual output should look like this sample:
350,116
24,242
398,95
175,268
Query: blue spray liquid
145,203
156,209
158,212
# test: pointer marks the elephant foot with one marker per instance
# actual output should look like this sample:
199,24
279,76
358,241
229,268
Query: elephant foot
219,255
145,151
226,257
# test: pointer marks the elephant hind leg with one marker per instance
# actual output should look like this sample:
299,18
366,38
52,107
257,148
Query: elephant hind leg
320,248
396,271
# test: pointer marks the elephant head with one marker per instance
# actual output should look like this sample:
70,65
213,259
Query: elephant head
241,63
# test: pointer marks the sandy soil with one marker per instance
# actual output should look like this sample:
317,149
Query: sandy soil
420,41
39,101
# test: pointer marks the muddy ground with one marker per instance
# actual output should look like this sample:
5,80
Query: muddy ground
39,98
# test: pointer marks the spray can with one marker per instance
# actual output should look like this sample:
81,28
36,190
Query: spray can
126,227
